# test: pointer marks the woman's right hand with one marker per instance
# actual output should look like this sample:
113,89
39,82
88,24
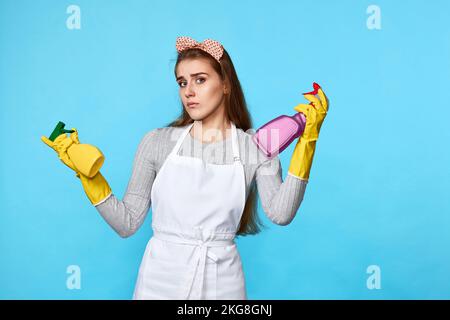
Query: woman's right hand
96,188
61,144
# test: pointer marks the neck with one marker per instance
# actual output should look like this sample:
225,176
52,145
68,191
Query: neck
211,130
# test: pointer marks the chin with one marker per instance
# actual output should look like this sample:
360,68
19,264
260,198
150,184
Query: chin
196,116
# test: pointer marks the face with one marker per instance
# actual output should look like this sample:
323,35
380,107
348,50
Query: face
199,83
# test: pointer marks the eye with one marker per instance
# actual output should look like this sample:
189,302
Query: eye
183,83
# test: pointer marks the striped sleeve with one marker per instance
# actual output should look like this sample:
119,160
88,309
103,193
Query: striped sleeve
280,199
127,215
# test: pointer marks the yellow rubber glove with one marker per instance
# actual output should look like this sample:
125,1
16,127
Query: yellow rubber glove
315,112
96,188
61,144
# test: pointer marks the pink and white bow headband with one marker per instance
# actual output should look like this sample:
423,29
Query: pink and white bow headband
210,46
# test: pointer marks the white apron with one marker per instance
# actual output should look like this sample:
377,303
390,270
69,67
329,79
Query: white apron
197,208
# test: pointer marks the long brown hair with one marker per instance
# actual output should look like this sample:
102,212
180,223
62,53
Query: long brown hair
236,111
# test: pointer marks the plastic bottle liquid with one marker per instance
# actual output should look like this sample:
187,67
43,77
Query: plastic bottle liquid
277,134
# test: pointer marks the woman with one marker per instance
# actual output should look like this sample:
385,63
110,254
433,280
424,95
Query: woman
198,175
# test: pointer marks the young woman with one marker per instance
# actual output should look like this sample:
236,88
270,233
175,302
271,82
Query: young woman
198,176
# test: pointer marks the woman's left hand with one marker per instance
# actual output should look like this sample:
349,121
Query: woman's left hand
315,112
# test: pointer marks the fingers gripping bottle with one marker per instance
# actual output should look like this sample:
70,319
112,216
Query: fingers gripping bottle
86,158
277,134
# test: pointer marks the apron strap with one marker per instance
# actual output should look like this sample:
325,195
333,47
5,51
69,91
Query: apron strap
181,139
235,143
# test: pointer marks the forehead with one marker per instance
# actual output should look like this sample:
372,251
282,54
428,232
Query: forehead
189,66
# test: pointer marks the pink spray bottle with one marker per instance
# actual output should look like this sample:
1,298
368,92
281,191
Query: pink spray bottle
277,134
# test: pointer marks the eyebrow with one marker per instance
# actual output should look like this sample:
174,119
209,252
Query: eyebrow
192,75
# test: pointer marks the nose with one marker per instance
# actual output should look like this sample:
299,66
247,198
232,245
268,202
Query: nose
189,90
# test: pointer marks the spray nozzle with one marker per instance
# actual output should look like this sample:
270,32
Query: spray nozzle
59,129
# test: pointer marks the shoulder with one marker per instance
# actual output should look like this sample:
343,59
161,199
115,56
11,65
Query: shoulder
163,133
155,144
245,137
162,139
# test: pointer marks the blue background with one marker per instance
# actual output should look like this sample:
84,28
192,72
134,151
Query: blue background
379,185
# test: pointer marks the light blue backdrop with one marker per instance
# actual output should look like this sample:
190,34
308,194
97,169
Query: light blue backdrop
379,188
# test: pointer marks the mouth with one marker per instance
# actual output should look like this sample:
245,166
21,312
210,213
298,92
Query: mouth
192,104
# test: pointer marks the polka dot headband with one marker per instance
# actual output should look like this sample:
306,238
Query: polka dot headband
210,46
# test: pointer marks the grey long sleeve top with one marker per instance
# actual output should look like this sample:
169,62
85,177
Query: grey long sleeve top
280,199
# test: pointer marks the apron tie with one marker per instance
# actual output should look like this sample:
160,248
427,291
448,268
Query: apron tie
203,252
200,260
